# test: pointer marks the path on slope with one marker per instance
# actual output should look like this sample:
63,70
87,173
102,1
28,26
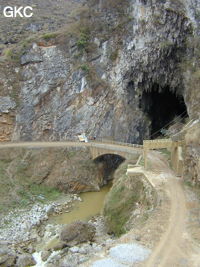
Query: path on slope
175,247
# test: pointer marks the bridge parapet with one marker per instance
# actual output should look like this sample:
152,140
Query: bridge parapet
158,143
107,141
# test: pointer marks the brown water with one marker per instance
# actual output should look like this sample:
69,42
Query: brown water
91,204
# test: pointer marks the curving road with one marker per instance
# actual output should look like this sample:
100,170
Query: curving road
176,247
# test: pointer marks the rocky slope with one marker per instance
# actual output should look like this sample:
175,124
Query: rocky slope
131,196
31,175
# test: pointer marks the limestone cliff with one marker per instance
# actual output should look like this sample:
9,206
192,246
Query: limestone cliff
94,84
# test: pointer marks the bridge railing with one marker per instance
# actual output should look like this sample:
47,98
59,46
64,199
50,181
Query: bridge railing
103,140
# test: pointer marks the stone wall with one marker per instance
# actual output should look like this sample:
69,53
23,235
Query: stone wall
192,156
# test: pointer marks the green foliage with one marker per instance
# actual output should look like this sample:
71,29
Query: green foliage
11,55
82,41
49,36
34,192
121,200
8,53
21,191
119,205
197,14
85,68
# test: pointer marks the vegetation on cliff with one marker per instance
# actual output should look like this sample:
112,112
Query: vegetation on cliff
40,175
126,195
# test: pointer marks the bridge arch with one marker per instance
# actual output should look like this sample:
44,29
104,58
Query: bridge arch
108,156
97,152
107,164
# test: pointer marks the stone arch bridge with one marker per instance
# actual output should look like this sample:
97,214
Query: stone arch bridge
124,150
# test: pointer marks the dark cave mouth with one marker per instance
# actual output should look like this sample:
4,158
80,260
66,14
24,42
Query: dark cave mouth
163,107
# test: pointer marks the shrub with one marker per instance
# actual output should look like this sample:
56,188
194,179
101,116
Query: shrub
82,41
49,36
85,68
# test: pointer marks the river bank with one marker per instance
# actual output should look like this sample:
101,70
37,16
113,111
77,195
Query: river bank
35,230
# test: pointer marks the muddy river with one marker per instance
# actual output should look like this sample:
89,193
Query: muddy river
91,204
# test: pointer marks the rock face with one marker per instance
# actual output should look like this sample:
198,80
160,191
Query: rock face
95,84
76,233
6,118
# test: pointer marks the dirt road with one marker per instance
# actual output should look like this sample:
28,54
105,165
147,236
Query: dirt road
176,246
169,248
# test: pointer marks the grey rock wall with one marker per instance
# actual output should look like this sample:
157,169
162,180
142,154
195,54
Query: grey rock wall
59,99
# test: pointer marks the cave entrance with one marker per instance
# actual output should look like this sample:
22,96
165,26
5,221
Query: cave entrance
163,107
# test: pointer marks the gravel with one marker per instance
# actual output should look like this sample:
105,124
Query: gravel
107,262
123,255
17,225
129,253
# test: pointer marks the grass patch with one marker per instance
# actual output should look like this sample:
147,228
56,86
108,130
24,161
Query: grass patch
19,191
85,68
37,193
50,35
83,40
165,44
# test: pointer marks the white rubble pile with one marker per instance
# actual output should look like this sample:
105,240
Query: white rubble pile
17,225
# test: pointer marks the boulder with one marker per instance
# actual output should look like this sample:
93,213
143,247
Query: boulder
45,254
25,260
77,232
59,246
7,257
